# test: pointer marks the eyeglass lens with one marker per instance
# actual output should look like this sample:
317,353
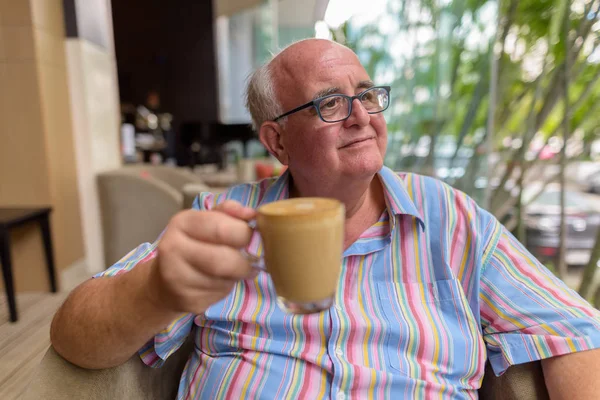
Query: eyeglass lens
337,107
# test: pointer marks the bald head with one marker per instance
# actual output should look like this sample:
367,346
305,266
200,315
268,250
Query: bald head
303,62
305,55
279,83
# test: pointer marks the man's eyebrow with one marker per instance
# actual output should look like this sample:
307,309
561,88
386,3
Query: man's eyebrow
326,92
366,84
332,90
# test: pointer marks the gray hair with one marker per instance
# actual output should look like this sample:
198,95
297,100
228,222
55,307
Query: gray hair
261,98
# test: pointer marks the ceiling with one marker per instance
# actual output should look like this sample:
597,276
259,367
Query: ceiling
291,12
301,13
229,7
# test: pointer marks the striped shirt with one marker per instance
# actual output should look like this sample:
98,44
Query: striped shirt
426,295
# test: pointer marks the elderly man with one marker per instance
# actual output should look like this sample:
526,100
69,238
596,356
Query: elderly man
431,287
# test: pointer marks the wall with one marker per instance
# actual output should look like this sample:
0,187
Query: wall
37,161
95,109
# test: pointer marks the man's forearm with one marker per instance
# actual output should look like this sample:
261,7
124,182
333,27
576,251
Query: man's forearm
106,320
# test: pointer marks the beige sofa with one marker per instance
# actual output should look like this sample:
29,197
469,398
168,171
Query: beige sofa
137,202
57,379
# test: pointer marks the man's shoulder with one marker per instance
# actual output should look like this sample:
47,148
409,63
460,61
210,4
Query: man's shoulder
427,186
465,226
248,194
412,178
436,199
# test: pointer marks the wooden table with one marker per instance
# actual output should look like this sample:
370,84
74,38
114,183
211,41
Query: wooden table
14,217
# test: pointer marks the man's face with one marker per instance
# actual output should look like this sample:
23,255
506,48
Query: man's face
317,149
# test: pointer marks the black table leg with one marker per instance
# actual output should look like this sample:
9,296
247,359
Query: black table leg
46,237
7,273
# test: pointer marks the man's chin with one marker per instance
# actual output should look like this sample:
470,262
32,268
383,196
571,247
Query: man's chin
365,168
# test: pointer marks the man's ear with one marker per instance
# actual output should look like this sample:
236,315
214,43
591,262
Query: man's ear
270,136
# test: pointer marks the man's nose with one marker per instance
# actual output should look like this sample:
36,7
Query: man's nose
359,115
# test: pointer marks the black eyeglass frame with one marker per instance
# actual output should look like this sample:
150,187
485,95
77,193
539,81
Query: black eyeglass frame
317,102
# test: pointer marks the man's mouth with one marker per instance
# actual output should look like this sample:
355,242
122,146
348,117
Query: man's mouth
356,142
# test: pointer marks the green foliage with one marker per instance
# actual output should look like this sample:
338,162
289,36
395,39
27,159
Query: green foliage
437,56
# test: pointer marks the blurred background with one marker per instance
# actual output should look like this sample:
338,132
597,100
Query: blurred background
117,114
498,99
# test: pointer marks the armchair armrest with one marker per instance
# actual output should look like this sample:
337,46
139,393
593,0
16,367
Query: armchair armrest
58,379
519,382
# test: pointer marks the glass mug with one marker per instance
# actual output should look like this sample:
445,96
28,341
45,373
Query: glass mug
303,240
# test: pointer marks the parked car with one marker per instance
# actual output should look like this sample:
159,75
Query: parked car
593,182
542,221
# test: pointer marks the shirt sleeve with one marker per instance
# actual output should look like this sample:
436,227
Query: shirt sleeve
156,351
528,314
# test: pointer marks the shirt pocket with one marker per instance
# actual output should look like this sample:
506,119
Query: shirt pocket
431,330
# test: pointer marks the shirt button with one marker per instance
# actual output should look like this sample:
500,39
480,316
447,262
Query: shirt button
338,307
341,396
339,351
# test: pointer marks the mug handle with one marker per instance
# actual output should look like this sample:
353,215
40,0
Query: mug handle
255,261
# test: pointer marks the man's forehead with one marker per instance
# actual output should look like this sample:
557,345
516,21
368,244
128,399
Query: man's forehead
314,56
316,69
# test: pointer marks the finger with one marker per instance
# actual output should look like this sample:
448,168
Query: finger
190,277
236,210
214,227
216,261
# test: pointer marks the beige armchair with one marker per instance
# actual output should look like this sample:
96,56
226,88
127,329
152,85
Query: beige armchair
175,177
133,210
136,203
57,379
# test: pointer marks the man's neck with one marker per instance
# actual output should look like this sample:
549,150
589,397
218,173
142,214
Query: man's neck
363,199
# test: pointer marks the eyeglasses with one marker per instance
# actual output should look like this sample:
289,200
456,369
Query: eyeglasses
338,107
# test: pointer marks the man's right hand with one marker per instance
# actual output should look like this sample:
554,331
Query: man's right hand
198,258
106,320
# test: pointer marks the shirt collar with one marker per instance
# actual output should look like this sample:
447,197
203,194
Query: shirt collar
398,202
397,198
278,189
